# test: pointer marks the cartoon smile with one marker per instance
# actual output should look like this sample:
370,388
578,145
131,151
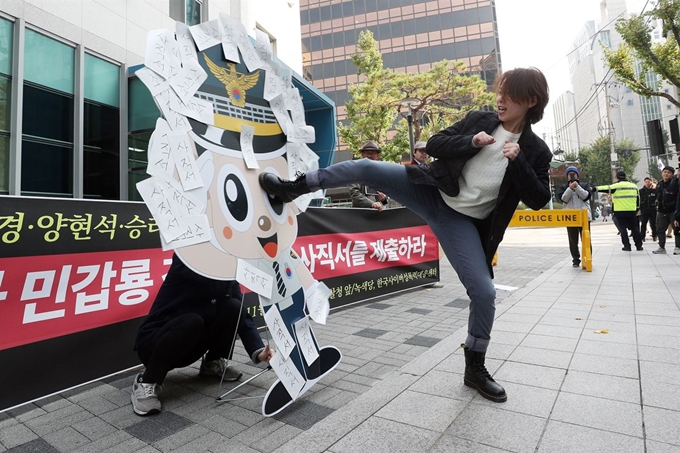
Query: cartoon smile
270,245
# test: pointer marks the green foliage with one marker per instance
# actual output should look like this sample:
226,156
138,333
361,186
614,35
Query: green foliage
571,156
370,109
596,165
440,96
662,59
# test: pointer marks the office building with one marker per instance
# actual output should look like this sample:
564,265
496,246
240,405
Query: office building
411,35
74,121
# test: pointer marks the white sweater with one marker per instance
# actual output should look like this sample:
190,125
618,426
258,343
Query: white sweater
481,178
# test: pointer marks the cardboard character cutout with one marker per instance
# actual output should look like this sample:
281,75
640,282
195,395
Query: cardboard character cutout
229,113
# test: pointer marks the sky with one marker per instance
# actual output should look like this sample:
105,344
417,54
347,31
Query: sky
540,33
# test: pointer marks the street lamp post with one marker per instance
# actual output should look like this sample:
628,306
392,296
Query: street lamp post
408,102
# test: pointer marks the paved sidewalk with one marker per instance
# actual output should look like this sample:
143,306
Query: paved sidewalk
399,386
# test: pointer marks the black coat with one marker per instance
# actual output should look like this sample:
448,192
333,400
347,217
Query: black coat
184,291
526,178
666,195
647,199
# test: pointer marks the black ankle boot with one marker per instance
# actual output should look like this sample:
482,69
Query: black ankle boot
477,377
286,190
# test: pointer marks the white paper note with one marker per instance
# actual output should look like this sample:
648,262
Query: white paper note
206,34
188,79
187,49
185,163
254,279
290,377
305,340
161,208
184,203
301,134
247,135
250,57
262,45
294,104
162,53
176,120
277,326
198,109
228,30
195,230
302,202
273,83
317,303
154,82
278,106
201,110
159,153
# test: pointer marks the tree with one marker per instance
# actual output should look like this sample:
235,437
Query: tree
439,97
370,111
595,160
662,59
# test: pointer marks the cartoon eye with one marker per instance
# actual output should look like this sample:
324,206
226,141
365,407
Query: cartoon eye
276,207
235,198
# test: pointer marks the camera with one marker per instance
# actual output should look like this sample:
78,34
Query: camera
574,180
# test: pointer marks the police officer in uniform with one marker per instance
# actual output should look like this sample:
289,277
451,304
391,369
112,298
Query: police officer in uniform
626,203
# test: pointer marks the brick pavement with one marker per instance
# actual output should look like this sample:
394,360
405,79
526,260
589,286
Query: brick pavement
399,387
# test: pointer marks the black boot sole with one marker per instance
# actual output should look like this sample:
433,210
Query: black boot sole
495,399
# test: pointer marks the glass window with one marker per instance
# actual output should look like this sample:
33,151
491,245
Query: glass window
411,56
6,31
142,116
101,131
46,168
48,114
409,27
187,11
142,110
324,13
314,15
4,164
193,12
336,10
101,157
102,81
421,24
48,62
138,144
6,36
384,31
47,142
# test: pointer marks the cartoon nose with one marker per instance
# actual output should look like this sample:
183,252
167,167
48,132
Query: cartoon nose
264,223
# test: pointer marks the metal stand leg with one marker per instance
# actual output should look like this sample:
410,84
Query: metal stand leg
221,397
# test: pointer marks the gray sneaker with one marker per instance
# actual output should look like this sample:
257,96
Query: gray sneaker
676,251
145,397
659,251
218,368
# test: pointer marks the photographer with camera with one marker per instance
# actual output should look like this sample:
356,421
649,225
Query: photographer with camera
575,195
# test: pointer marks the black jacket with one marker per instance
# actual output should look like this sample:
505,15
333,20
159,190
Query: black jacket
184,291
666,195
647,199
526,177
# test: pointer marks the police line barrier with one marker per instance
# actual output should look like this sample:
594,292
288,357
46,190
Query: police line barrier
558,218
77,278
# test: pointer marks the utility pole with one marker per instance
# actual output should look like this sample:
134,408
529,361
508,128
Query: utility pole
610,127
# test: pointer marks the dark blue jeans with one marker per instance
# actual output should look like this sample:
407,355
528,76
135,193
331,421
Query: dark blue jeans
457,233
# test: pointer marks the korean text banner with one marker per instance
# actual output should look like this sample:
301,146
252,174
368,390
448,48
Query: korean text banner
77,277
